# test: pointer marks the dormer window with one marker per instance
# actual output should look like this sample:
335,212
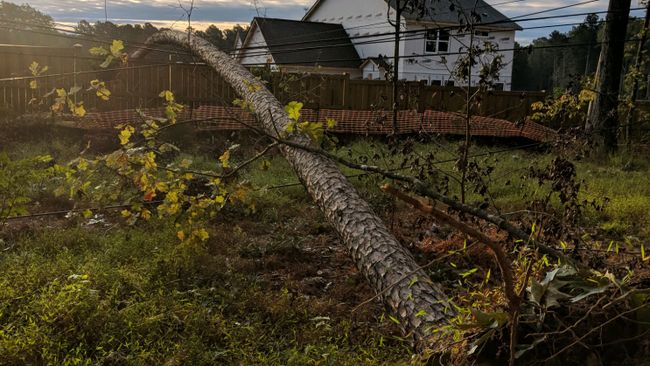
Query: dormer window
436,41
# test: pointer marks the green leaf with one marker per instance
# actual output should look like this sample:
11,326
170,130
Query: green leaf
117,47
106,62
293,110
98,51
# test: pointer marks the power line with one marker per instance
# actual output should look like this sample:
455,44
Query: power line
527,48
266,50
382,41
406,32
144,46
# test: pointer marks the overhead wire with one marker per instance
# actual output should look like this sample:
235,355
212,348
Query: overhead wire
392,33
529,48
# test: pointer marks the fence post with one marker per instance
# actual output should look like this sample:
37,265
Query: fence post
169,71
75,53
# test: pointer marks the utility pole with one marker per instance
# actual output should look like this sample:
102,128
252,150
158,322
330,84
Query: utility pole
602,120
396,57
635,80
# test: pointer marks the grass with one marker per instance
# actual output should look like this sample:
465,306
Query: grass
620,181
75,294
131,296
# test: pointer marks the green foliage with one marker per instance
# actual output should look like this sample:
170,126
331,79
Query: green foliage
128,296
20,179
551,62
112,52
223,39
566,108
11,13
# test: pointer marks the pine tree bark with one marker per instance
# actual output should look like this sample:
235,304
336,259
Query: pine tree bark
602,121
418,303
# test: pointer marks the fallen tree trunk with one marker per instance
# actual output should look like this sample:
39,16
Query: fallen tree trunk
419,304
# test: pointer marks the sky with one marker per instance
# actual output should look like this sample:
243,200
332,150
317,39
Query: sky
227,13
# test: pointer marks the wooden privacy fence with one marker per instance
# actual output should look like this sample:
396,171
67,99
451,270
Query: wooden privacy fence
138,85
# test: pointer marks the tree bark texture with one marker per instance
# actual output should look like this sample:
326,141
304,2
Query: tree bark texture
602,121
419,304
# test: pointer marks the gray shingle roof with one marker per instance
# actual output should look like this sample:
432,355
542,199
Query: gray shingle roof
447,11
325,44
442,11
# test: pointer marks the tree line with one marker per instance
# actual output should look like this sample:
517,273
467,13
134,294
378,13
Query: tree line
561,60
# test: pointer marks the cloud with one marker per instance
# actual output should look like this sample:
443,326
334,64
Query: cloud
226,13
205,11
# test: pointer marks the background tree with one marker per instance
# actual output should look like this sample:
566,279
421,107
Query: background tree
552,62
22,24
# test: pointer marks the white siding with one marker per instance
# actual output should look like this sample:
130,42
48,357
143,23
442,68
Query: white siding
360,17
372,72
259,55
431,66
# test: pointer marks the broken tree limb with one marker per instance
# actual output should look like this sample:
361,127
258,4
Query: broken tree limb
501,257
419,304
424,189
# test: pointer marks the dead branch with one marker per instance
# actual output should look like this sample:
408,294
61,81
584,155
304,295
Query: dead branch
499,254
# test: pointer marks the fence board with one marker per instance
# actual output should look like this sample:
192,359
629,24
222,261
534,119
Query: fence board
197,84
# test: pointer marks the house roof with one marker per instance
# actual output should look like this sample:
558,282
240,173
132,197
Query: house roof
240,36
379,61
325,44
440,11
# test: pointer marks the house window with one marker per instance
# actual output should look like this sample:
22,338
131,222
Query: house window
436,41
436,82
481,33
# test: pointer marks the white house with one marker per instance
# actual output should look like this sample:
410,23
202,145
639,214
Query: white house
426,44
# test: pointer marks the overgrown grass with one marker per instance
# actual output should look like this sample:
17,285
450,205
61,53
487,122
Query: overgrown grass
132,296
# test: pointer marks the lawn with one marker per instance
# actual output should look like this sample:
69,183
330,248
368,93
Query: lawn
272,285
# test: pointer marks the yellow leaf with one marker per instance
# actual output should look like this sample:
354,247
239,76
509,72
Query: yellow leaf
87,214
293,110
331,123
125,213
82,165
117,47
145,214
33,84
219,199
161,187
181,235
225,159
150,161
33,68
125,135
79,110
168,95
172,197
202,234
98,51
104,94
